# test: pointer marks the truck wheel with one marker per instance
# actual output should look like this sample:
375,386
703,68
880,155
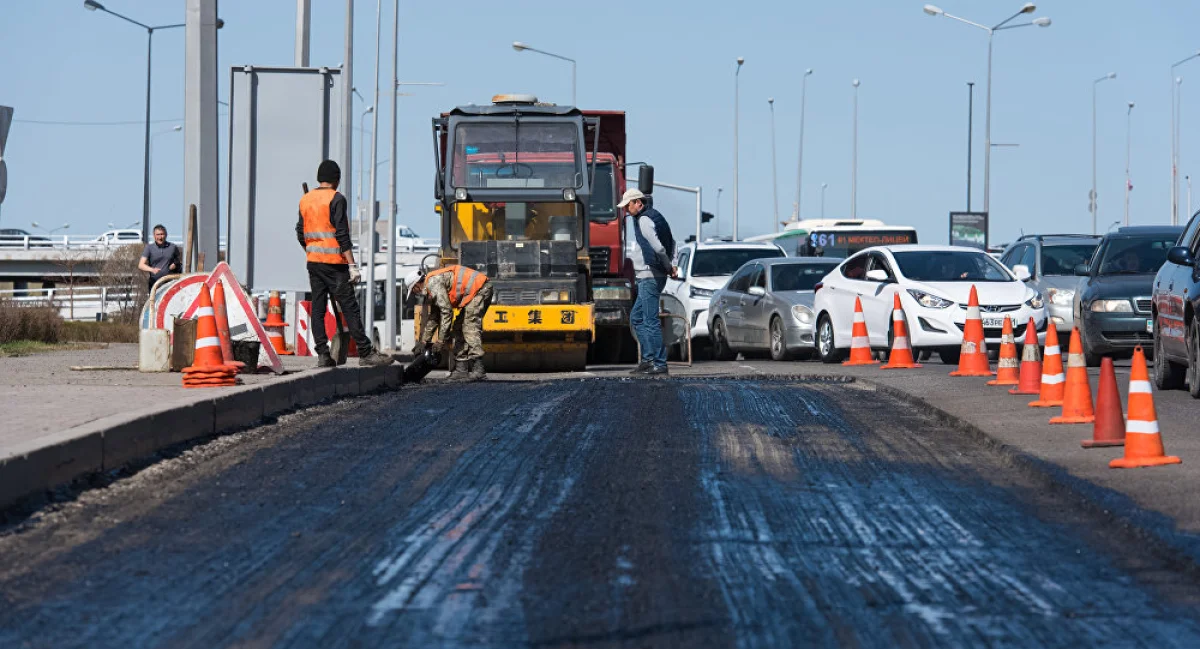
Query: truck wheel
721,351
1167,375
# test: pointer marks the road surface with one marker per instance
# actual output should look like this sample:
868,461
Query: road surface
688,512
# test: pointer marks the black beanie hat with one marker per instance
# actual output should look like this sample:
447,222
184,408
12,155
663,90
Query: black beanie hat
328,172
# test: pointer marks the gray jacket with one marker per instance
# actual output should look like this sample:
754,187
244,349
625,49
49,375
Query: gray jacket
650,246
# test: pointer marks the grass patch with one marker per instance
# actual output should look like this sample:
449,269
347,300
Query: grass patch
99,332
21,323
30,347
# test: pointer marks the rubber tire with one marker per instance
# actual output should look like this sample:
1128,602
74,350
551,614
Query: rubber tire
1090,358
831,354
1193,371
721,351
1167,375
949,355
780,352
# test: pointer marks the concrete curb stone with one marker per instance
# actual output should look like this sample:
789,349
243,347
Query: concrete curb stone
141,434
70,456
238,409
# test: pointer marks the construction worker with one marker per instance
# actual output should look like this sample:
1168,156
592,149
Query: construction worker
324,232
651,267
470,291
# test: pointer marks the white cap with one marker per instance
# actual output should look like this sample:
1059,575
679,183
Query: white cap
631,195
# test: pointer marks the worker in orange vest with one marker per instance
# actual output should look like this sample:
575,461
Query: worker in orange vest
324,232
470,291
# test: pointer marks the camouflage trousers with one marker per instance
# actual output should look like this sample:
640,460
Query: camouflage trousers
467,335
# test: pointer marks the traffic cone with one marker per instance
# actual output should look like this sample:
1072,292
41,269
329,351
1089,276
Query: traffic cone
208,368
221,313
1031,363
901,356
860,343
1051,393
275,325
1143,443
1109,429
1077,396
1008,369
973,360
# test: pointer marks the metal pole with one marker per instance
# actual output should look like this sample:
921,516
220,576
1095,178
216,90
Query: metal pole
1189,195
368,250
797,208
987,145
854,160
970,129
1128,154
303,20
736,91
1092,202
1178,148
717,216
389,327
774,176
823,187
146,236
700,220
1173,158
573,101
347,122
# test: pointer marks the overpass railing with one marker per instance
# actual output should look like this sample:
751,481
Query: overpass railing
77,303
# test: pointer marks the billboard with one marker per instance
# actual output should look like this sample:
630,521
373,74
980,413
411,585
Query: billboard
969,229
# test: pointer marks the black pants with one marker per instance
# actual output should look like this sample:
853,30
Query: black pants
334,279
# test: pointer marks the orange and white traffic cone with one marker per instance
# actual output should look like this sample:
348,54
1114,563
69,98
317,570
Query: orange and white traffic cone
1008,368
1143,443
973,359
1051,394
221,313
208,368
860,342
1031,363
275,325
1077,396
1109,429
901,356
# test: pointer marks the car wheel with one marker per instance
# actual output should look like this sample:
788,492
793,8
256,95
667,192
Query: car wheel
1193,371
1167,375
721,350
826,348
779,350
1090,357
949,355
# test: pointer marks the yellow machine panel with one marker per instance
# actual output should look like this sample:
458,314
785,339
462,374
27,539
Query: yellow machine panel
539,318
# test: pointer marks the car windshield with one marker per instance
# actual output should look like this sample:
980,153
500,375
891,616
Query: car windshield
719,263
798,277
950,266
1062,259
1136,255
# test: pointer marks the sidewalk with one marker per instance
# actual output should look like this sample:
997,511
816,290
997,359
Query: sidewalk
60,424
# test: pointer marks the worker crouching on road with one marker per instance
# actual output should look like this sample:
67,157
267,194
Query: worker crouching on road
651,268
449,288
324,232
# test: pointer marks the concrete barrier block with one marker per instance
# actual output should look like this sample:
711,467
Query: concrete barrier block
238,409
144,434
59,461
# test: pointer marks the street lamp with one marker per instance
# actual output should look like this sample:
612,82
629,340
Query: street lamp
774,177
800,157
717,216
1128,151
824,186
1027,8
1092,198
521,47
1175,124
64,226
174,129
854,159
362,135
736,87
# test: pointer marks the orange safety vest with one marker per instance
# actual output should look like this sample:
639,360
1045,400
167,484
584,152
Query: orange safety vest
320,244
467,283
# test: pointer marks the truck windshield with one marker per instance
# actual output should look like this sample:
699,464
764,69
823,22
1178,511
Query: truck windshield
517,221
517,154
603,204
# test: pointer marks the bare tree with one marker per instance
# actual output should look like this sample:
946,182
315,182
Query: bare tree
118,272
73,261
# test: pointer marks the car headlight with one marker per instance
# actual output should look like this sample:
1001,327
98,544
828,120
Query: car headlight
928,300
697,292
1060,296
555,296
1111,306
1036,301
802,314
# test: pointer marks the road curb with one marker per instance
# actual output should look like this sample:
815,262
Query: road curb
112,442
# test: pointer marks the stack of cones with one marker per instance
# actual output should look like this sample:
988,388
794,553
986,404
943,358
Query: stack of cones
275,325
860,343
1077,395
901,356
1143,443
973,359
221,313
1030,381
1008,369
1109,428
208,369
1051,393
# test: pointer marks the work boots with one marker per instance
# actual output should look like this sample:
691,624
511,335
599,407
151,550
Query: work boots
477,372
325,360
460,371
376,359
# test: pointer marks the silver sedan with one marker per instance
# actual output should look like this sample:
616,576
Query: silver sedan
767,307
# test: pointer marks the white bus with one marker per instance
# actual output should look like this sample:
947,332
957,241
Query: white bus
837,238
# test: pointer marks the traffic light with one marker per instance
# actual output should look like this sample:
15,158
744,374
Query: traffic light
690,238
705,217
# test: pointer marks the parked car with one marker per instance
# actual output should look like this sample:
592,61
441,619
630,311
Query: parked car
1176,303
704,268
767,306
934,284
114,238
18,238
1050,260
1113,306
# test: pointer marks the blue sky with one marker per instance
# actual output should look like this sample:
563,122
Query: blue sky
670,66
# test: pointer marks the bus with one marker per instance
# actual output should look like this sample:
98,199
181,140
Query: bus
837,238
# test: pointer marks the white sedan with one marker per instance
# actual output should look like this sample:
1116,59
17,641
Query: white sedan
934,283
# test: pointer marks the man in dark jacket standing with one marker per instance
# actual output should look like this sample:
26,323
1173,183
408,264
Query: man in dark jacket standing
651,266
324,232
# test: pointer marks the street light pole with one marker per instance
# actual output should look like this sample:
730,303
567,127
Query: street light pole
736,94
796,209
1093,202
854,159
717,216
1175,81
175,129
521,47
389,318
774,176
698,191
1128,154
970,133
368,250
824,186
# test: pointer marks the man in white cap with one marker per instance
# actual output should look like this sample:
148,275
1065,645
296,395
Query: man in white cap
651,266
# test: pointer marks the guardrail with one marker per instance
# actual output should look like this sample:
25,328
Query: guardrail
80,242
77,303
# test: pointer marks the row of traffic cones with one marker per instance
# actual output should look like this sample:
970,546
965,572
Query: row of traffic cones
1030,375
209,368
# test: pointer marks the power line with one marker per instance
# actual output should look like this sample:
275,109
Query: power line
139,122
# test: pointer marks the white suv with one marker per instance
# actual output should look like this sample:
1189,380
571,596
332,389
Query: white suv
706,267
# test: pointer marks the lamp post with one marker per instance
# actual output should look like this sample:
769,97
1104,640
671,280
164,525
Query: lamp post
1175,81
521,47
1027,8
64,226
717,216
824,186
1092,198
774,177
736,88
698,191
362,137
92,5
1128,153
854,159
174,129
796,209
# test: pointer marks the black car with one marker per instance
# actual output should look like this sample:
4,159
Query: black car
1177,314
1113,308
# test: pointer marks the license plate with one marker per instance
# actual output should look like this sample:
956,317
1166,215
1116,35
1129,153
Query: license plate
1150,326
993,323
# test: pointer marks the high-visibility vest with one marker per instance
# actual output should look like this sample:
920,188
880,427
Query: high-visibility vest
466,284
320,242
